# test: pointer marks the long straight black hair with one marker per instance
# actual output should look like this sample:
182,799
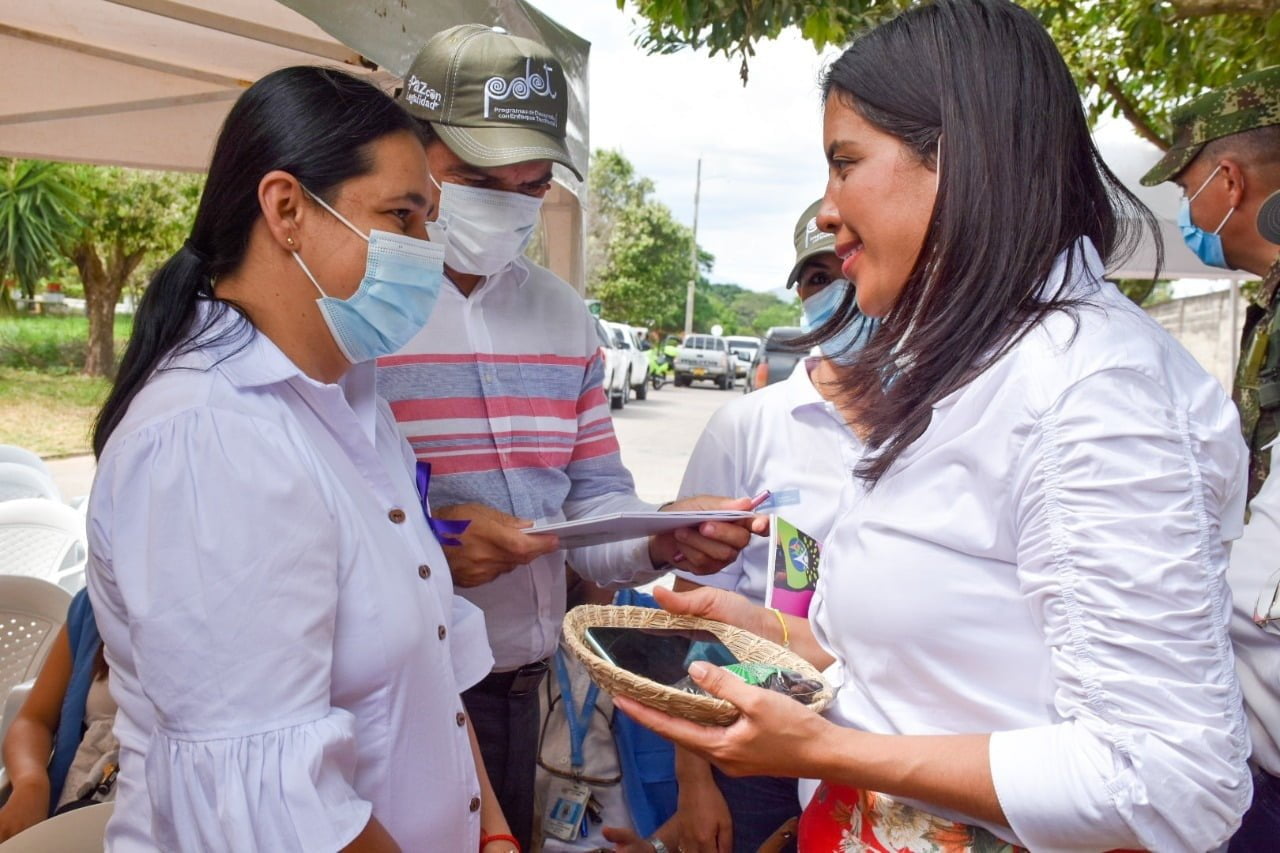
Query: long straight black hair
314,123
1021,182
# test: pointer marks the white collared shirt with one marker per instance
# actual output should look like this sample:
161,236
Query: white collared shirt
1046,563
501,393
280,624
786,438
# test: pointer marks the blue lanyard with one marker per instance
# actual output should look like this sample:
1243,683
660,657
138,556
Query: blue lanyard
579,723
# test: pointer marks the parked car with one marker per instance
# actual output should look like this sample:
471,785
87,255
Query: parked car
616,363
704,357
637,373
775,359
744,349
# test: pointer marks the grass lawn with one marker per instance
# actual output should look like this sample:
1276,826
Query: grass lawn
46,405
51,341
47,412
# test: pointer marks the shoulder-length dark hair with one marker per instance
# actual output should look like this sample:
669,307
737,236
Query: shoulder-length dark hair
314,123
1021,182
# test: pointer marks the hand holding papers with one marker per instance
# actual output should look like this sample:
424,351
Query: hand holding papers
618,526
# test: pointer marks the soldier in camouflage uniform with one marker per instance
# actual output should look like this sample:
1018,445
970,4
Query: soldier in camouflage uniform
1226,158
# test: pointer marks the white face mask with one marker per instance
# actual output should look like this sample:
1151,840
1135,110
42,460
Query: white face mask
482,230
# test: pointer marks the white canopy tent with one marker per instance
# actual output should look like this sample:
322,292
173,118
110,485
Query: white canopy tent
147,83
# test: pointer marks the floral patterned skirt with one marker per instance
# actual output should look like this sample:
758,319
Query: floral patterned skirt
847,820
841,819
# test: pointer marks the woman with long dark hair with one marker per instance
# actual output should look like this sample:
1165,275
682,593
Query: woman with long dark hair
1024,589
284,643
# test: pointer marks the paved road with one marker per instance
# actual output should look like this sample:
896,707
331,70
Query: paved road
656,435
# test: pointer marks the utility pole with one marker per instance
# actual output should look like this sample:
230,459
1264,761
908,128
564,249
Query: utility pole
693,279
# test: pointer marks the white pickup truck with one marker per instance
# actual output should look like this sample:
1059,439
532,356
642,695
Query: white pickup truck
705,357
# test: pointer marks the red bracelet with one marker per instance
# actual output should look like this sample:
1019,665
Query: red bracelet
486,840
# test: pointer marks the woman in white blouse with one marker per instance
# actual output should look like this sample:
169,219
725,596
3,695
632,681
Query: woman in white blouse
1024,588
284,643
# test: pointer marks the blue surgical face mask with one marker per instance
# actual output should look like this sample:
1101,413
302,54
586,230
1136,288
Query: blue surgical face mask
1206,245
821,307
402,277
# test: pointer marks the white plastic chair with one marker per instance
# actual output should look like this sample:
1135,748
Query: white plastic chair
22,456
19,481
31,612
43,539
78,831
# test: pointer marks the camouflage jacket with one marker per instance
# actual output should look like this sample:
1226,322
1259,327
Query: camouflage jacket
1257,386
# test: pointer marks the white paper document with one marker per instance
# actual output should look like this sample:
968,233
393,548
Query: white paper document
629,525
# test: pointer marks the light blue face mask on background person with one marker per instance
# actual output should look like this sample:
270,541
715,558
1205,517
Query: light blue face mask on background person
402,277
1206,245
821,307
482,230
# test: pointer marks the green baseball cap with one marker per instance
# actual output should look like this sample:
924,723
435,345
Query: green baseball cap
1269,218
1251,102
493,98
810,240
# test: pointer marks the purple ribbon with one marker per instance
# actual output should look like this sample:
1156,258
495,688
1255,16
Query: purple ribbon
446,532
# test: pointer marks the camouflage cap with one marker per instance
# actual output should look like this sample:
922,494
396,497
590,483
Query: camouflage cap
1250,102
495,99
1269,218
810,240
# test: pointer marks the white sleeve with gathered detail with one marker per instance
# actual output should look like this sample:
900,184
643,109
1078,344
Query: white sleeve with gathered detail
222,551
1121,559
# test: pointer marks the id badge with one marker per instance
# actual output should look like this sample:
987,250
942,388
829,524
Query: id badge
568,809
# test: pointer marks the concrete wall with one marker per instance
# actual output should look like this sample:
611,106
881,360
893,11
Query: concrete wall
1207,327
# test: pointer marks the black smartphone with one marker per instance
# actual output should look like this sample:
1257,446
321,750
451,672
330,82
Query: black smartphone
658,654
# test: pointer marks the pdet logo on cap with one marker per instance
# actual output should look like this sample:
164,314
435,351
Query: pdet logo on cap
812,232
498,88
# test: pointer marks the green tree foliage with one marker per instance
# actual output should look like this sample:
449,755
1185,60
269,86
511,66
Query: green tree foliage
743,312
130,216
40,208
639,257
646,273
1139,59
1146,292
1136,58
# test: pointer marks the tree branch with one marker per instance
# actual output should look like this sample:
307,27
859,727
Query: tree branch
1184,9
1135,116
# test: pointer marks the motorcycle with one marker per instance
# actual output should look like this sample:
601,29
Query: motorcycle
662,362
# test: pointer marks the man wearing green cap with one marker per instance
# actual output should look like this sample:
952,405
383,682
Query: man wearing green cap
1226,159
501,391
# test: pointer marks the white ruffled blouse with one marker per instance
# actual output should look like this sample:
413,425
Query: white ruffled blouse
1046,563
284,642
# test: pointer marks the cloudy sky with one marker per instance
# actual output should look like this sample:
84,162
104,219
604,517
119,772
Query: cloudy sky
760,144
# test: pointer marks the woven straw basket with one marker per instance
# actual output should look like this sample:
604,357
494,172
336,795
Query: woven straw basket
707,710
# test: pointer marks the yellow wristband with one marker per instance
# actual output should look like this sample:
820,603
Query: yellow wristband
786,635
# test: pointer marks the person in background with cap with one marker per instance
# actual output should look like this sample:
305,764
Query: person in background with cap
787,438
1226,159
501,391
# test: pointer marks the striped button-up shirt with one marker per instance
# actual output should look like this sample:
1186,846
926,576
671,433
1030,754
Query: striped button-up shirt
501,393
